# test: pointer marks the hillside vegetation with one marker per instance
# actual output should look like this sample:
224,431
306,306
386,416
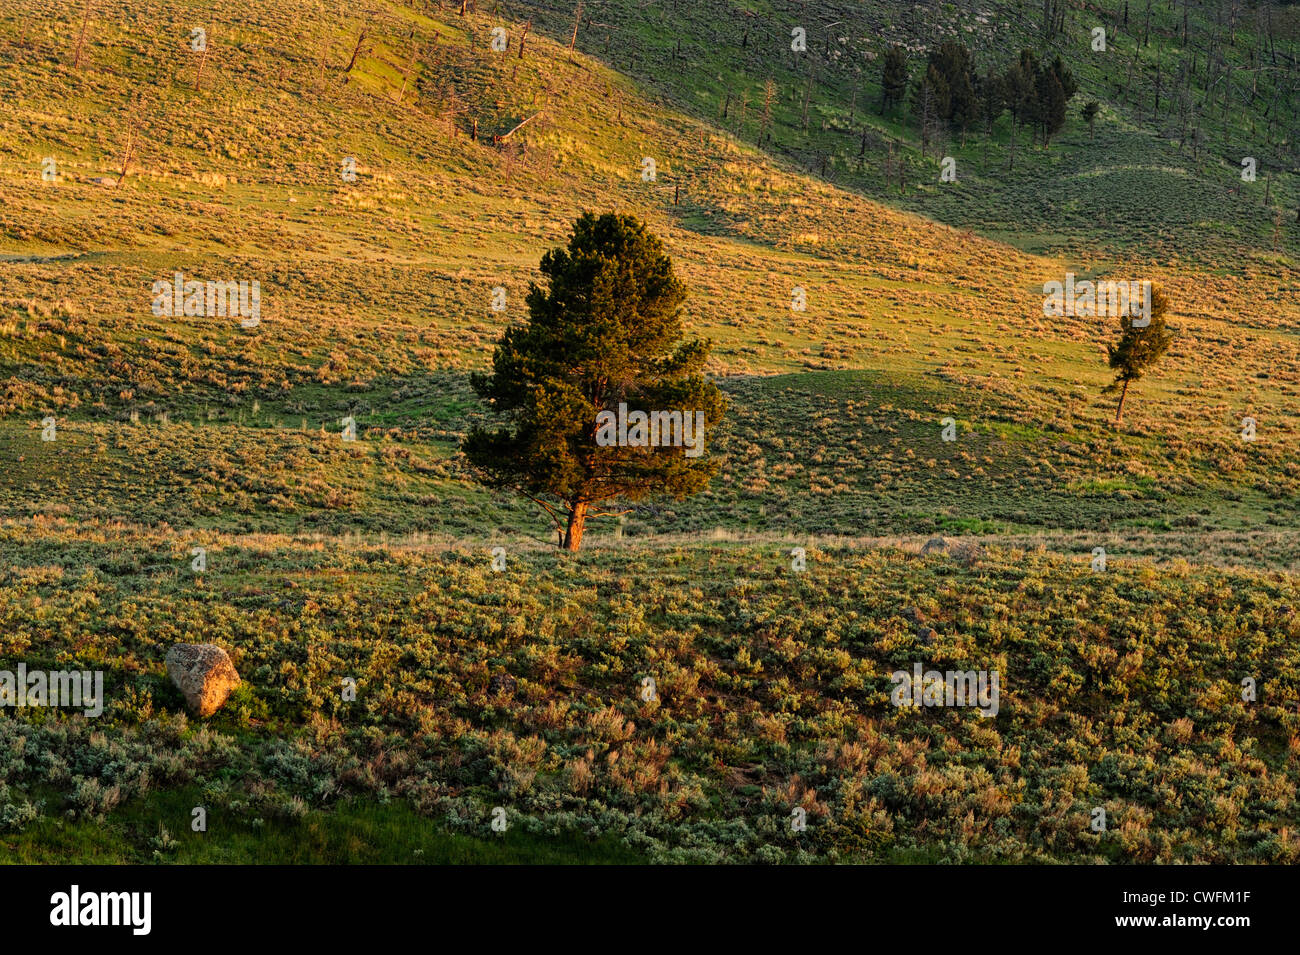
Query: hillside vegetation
523,689
1186,90
370,559
374,290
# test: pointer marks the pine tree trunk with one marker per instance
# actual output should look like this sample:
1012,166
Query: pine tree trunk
577,524
1119,412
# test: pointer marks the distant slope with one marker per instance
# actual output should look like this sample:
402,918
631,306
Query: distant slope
374,290
1187,91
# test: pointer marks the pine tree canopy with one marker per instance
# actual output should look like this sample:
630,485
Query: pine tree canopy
605,332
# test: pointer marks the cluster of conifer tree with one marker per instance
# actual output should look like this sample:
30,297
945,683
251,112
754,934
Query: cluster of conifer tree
950,93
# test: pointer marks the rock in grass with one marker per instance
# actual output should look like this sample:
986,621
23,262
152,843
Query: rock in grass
953,547
203,673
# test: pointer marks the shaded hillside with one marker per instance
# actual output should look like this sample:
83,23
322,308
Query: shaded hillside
1186,91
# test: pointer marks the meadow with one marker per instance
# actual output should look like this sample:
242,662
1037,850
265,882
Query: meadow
523,689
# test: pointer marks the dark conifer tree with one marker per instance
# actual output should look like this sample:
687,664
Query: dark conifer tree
894,77
607,330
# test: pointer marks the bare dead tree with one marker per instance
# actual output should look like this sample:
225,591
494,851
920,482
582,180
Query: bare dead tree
81,40
1050,17
410,64
506,136
356,50
1155,112
321,40
573,40
324,54
769,92
131,133
198,76
524,39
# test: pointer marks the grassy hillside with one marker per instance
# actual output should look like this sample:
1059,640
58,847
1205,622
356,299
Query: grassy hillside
841,453
370,559
1187,91
375,291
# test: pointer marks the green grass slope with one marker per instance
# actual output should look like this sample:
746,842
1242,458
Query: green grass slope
370,560
1187,90
376,298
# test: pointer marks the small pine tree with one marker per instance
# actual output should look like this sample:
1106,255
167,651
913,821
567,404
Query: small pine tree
1089,113
1018,94
929,104
606,331
1022,79
894,77
1138,348
1051,105
992,99
963,105
953,62
1064,76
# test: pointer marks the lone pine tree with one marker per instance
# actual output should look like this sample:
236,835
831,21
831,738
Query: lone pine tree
1138,348
607,331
